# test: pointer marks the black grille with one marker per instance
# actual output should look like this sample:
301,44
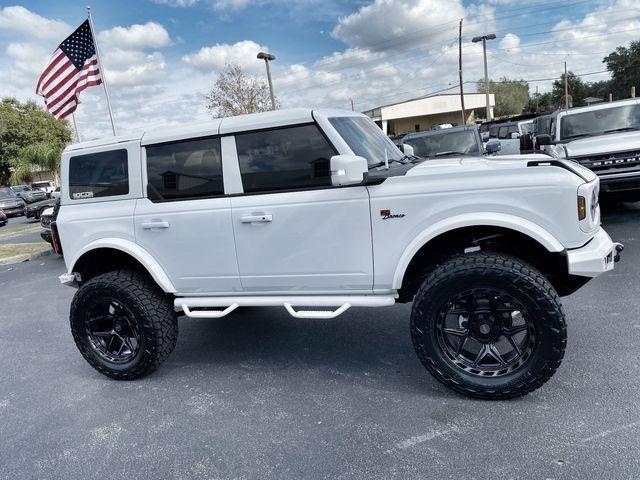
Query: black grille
608,163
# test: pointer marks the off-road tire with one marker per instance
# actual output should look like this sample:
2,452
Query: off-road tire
154,314
520,280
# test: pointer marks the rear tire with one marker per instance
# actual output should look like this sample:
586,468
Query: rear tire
489,326
123,324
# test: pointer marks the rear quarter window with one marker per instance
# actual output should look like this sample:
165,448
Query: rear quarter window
103,174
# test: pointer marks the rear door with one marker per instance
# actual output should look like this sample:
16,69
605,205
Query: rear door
295,232
185,221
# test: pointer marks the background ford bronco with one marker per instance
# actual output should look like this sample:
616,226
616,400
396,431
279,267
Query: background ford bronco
318,211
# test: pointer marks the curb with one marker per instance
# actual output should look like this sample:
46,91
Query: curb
25,257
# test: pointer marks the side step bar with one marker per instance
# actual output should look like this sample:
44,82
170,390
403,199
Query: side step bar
216,307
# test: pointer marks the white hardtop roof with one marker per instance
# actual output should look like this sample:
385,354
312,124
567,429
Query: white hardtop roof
599,106
218,126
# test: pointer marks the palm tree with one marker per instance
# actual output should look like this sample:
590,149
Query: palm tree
42,155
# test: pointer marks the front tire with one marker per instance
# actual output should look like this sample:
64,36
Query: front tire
123,324
489,326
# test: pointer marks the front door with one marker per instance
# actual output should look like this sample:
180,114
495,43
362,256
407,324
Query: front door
185,223
293,231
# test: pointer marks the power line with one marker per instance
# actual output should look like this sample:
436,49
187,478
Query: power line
403,39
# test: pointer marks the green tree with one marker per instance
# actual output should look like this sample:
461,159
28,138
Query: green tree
578,90
511,95
43,155
624,65
541,103
24,128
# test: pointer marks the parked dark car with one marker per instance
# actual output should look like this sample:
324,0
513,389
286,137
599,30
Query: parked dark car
3,219
10,203
463,140
29,194
45,220
35,209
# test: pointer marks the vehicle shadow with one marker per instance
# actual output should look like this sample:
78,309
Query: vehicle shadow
363,346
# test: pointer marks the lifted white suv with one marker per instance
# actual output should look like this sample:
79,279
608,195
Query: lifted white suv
317,211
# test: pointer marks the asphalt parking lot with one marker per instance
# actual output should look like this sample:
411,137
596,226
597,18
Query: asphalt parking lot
262,395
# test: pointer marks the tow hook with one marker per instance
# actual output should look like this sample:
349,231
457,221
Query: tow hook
619,249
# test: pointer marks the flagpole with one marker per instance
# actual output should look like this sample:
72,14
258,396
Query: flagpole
102,72
75,126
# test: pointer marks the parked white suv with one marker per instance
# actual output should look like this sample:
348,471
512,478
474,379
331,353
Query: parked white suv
317,211
605,138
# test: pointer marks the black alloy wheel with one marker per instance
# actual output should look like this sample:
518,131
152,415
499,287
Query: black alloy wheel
112,331
485,332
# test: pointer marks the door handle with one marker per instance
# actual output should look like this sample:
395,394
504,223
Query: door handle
154,224
263,218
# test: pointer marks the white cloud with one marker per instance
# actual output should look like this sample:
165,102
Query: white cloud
149,35
19,20
176,3
230,4
214,58
399,24
29,58
510,42
134,68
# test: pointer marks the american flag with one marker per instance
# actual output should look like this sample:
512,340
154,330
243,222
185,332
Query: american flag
72,68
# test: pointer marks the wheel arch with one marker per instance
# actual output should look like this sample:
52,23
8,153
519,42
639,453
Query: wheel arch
110,254
498,232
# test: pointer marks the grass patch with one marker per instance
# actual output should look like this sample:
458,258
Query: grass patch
6,231
13,249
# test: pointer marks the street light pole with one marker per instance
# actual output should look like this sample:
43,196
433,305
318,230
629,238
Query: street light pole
484,39
267,57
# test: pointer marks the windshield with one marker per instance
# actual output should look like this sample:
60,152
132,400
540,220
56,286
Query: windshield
432,144
7,193
597,122
526,127
366,140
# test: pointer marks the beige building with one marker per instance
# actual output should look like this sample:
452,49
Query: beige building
426,112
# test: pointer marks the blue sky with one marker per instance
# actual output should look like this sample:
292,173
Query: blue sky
162,56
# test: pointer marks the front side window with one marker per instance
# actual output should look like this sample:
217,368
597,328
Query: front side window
284,158
103,174
444,142
503,132
366,139
600,121
184,170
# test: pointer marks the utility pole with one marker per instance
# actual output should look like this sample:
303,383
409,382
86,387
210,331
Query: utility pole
464,116
566,87
537,100
351,100
268,57
483,39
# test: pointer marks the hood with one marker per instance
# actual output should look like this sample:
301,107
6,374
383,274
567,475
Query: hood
610,143
498,165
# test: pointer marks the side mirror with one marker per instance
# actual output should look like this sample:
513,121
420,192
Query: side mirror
407,149
515,135
493,147
348,169
485,136
543,139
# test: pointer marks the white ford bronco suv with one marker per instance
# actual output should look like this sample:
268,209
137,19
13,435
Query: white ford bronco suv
317,211
605,138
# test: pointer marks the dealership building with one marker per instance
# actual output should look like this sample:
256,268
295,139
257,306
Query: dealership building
425,113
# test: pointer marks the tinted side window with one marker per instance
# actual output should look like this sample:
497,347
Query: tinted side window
103,174
286,158
184,170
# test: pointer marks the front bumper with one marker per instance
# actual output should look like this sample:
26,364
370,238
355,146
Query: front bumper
14,210
596,257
